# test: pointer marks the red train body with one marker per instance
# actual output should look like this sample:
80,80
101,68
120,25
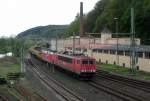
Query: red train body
48,56
81,65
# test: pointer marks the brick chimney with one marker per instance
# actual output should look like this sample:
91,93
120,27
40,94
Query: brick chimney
81,20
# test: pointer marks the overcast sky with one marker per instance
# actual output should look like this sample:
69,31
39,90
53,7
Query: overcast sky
19,15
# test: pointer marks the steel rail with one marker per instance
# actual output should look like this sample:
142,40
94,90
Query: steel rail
113,92
67,94
124,80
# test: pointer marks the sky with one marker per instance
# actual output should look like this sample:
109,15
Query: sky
19,15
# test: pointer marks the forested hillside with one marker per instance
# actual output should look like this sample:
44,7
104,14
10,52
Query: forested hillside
24,39
105,11
43,31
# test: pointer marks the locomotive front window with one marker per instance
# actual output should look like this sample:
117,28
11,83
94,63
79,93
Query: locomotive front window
85,62
91,62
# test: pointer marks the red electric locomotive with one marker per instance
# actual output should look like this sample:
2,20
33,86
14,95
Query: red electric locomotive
81,65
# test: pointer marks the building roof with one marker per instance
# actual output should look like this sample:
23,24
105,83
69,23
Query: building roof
139,48
77,56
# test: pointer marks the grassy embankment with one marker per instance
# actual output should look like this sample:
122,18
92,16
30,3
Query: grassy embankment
9,65
12,65
125,71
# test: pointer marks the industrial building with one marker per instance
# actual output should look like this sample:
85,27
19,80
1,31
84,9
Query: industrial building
104,49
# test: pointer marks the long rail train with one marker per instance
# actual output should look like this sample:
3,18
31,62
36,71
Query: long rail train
78,64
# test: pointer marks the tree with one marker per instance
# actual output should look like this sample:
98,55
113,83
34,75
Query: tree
105,11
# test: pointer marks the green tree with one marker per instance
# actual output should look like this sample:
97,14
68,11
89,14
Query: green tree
105,11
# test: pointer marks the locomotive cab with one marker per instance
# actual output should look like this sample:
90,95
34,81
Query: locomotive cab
88,67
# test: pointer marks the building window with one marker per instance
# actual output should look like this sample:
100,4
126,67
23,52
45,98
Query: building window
106,61
106,51
114,63
123,65
99,60
120,53
137,67
100,51
147,55
140,54
94,50
112,52
127,53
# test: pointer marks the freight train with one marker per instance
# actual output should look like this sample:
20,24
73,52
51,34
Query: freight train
78,64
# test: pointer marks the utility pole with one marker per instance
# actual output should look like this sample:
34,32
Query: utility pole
89,41
12,46
132,48
50,44
117,56
73,43
22,59
56,43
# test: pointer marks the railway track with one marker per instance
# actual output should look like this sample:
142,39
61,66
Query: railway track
118,90
114,92
40,98
3,98
60,89
139,84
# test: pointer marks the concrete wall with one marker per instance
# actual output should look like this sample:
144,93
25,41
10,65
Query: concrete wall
143,64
